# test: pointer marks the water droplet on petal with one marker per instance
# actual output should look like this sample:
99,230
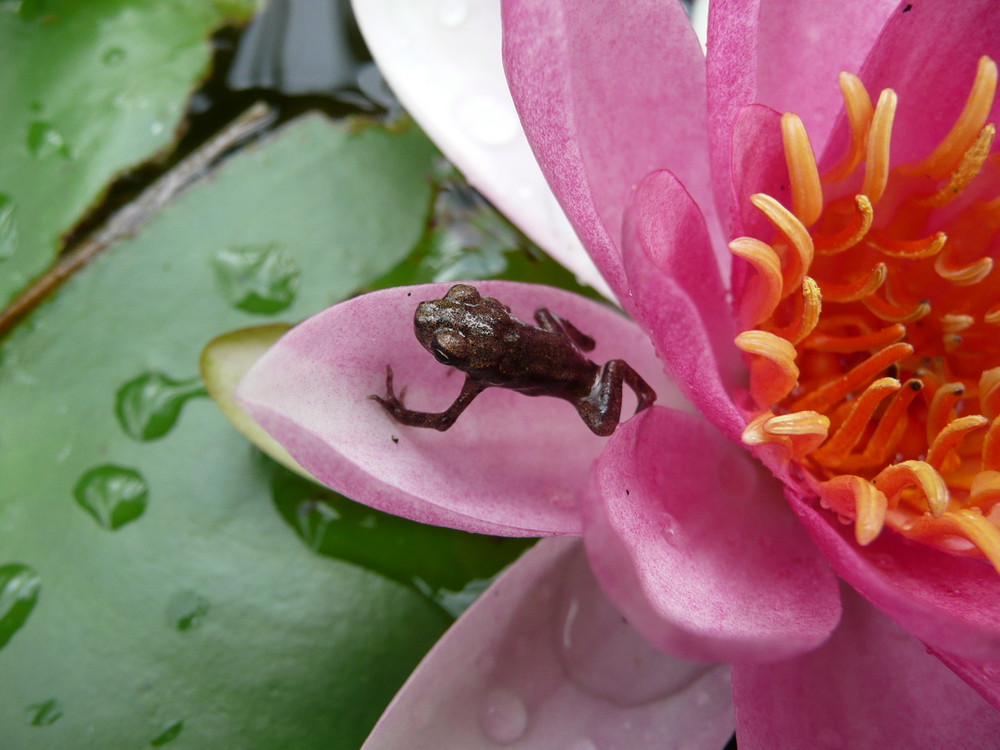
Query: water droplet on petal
19,587
186,610
169,734
113,495
8,227
261,279
44,714
44,140
113,56
148,406
504,717
452,12
669,529
485,120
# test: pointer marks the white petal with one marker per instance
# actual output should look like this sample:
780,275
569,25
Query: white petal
442,58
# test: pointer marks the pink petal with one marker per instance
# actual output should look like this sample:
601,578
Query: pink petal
785,54
601,113
542,661
444,63
928,55
982,676
758,166
870,686
510,465
690,538
678,296
950,603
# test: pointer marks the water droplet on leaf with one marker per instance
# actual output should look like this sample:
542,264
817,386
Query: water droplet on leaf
44,714
44,140
261,279
8,227
186,610
113,495
113,56
19,587
148,406
504,717
169,734
314,518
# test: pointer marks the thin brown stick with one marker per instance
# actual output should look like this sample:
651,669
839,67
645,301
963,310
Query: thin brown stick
130,218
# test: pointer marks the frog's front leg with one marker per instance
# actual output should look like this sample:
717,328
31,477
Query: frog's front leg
549,321
601,410
437,421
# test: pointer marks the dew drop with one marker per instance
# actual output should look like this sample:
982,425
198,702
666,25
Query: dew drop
44,140
186,610
261,279
19,587
485,120
168,735
44,714
8,227
452,12
113,495
313,519
504,717
669,528
149,405
113,56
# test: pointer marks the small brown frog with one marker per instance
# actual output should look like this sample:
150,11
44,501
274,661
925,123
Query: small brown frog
479,336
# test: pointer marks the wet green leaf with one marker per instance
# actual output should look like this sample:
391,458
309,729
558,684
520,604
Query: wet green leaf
204,621
87,90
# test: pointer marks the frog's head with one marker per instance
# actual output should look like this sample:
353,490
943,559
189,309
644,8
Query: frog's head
462,328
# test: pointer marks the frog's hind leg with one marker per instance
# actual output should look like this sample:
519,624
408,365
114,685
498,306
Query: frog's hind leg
549,321
601,410
436,421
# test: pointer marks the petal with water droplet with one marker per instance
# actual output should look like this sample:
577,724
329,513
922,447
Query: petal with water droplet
496,678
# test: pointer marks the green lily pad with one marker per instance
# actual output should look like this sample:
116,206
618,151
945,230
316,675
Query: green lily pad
158,595
88,90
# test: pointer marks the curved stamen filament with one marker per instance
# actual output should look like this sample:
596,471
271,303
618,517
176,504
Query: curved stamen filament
854,497
879,138
801,255
805,430
985,491
852,233
942,408
894,480
865,342
966,275
967,170
949,152
948,440
925,247
850,432
991,447
773,372
891,426
859,116
857,289
805,313
827,395
807,192
763,291
891,313
966,524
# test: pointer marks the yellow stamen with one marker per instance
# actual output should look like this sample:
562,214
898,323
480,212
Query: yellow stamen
853,497
859,115
862,409
946,157
773,372
879,138
856,289
925,247
805,313
966,275
894,480
967,170
807,193
763,290
801,255
967,524
805,430
852,233
949,438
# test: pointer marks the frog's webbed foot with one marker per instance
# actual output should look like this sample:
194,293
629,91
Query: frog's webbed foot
549,321
601,410
438,421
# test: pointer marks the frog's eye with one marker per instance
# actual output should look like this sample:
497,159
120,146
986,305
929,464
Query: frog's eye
463,293
449,347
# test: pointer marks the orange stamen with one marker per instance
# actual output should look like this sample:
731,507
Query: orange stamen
800,256
807,192
859,116
852,233
763,290
879,137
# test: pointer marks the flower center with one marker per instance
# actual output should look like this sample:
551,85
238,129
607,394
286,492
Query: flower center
873,326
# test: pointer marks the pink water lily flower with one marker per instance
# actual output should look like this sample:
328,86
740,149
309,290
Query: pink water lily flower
827,526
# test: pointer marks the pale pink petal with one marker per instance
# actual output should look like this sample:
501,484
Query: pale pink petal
951,603
542,661
928,55
443,62
982,676
690,537
678,296
510,465
785,54
870,686
601,113
758,166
